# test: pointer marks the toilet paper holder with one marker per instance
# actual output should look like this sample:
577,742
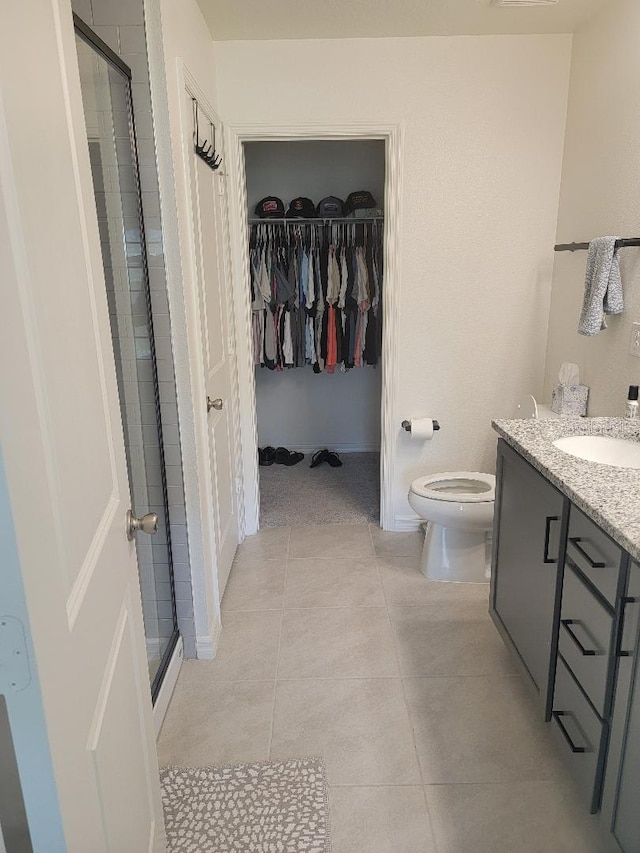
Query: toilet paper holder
406,425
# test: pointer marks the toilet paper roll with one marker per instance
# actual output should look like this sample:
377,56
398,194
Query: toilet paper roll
422,429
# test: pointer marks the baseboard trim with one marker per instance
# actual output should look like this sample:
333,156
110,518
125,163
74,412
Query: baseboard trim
206,647
407,522
167,687
338,448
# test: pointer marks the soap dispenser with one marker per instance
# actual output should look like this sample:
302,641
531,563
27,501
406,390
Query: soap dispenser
632,402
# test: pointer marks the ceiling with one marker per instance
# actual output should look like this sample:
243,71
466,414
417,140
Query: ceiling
306,19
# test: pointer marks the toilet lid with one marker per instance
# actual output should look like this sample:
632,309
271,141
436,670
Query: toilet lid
458,486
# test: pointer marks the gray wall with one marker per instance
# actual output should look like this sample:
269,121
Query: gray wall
22,722
313,169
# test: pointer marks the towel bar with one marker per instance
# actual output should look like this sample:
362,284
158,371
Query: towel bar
574,247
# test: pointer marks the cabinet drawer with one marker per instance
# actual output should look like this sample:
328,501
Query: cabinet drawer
579,734
597,556
585,638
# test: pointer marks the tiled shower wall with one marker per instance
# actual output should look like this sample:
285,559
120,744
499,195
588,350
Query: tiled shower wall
120,24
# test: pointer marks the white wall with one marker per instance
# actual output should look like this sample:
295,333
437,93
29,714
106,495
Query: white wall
297,408
600,196
483,121
313,169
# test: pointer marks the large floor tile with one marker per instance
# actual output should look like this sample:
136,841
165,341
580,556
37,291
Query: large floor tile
337,642
359,726
344,581
255,585
330,541
270,543
449,639
381,819
481,729
401,544
522,817
404,584
248,649
217,723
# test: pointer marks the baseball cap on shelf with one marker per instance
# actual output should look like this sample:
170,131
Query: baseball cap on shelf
302,207
271,206
330,206
361,199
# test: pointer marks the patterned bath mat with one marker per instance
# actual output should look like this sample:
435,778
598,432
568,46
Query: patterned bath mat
267,807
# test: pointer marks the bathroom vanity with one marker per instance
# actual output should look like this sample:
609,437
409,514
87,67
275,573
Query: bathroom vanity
565,596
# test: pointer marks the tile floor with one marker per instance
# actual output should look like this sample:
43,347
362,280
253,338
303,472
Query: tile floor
334,644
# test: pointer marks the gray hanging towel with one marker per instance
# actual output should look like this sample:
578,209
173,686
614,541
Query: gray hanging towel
602,286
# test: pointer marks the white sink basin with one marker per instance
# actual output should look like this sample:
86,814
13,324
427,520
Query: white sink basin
619,452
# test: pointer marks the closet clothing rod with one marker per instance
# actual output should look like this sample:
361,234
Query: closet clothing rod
574,247
318,220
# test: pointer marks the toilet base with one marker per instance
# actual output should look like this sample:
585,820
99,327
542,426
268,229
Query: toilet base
460,556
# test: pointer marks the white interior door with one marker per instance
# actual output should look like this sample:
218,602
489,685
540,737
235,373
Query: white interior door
212,287
63,446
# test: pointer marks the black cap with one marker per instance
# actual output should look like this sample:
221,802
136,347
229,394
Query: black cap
302,208
633,392
359,200
270,207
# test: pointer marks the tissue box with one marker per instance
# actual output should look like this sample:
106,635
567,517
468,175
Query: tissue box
570,399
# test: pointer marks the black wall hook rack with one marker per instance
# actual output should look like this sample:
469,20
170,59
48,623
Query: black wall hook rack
203,150
623,243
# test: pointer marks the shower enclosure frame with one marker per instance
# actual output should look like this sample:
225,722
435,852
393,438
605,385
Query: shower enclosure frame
112,58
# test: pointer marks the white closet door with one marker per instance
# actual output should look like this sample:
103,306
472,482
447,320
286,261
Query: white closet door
212,290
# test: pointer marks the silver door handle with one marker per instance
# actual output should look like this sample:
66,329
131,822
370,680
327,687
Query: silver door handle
217,404
147,524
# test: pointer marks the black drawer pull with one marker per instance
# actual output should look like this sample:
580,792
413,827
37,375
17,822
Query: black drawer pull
566,624
595,564
547,533
557,715
623,618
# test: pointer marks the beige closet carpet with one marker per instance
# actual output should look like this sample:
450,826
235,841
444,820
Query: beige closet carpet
323,495
267,807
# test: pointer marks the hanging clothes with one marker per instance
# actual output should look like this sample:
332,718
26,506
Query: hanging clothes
316,294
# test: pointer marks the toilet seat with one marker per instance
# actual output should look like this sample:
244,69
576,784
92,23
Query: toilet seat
457,486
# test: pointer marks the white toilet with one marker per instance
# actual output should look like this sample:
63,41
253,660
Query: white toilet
458,507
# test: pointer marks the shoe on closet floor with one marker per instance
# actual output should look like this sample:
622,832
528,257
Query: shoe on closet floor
287,457
333,459
325,455
266,455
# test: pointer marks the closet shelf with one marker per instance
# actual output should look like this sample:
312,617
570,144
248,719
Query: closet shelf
317,220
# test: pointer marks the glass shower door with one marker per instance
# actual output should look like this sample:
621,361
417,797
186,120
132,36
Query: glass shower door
106,94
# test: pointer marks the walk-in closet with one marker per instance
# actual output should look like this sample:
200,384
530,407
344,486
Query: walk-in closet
316,252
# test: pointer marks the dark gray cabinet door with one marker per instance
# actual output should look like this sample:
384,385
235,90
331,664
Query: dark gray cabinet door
622,776
530,515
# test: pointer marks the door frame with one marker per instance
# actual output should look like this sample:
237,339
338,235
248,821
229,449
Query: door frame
236,136
169,82
202,563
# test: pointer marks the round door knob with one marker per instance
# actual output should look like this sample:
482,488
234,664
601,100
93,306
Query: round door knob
217,404
147,524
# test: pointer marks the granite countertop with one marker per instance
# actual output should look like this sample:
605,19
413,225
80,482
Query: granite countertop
608,495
